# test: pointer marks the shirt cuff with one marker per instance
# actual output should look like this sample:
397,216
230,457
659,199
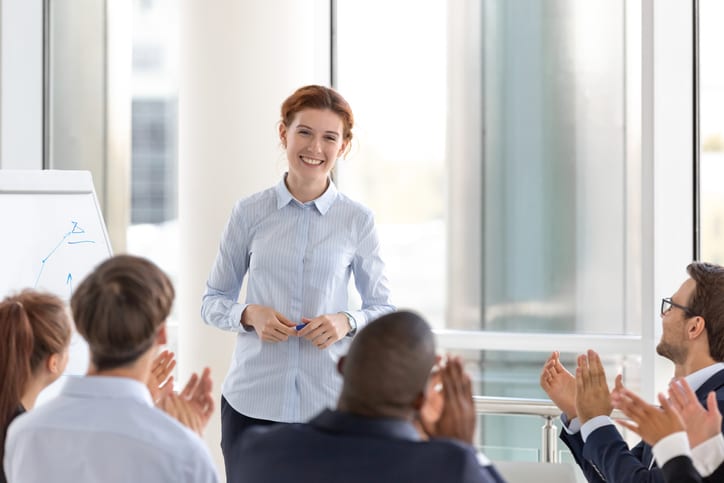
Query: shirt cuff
482,459
237,310
671,446
570,426
593,424
708,455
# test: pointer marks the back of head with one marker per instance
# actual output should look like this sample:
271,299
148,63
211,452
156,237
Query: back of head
33,326
388,366
119,308
708,302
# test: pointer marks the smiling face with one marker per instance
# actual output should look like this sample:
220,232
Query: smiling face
313,141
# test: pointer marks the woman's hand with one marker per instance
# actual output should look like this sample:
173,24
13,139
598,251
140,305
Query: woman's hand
325,330
270,325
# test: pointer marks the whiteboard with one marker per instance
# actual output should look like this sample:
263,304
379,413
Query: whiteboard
53,236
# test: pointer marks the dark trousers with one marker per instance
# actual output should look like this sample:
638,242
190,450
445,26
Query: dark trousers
233,425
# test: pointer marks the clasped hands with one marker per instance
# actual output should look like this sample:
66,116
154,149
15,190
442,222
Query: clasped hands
271,326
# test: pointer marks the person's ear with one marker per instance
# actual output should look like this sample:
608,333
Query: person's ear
343,150
161,337
419,401
283,134
340,365
54,364
696,326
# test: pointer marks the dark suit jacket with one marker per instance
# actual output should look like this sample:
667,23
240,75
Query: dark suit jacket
606,457
341,447
681,470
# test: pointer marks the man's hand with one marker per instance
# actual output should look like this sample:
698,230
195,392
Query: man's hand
325,330
160,382
649,422
270,325
457,419
592,395
194,406
701,424
432,407
560,385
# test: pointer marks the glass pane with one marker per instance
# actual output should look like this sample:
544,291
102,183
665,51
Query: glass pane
555,166
711,105
154,179
516,375
395,81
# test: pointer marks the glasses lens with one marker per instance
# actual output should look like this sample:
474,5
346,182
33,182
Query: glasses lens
665,305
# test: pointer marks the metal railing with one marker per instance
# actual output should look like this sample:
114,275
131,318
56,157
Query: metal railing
530,407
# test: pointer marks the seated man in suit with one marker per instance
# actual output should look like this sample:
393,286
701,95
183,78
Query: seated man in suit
370,436
686,439
692,338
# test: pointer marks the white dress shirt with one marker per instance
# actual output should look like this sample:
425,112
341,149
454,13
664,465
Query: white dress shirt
298,259
104,429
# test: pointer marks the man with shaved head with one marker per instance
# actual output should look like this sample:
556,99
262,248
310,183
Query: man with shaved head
371,436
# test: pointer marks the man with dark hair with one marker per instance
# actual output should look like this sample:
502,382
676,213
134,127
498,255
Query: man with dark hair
370,436
692,338
104,426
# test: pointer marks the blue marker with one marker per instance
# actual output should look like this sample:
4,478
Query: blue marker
300,326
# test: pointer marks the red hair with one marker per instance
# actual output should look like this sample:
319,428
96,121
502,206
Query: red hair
33,326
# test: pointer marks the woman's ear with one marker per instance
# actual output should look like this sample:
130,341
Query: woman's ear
283,134
343,150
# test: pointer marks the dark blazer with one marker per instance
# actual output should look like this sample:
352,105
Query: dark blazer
341,447
681,470
606,457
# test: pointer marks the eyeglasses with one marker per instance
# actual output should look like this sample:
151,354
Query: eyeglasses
667,304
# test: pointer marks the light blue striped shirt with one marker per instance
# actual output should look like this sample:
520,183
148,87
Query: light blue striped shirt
104,429
298,258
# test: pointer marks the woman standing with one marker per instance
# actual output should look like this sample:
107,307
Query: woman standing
298,243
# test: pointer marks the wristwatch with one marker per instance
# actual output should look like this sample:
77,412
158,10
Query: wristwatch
352,324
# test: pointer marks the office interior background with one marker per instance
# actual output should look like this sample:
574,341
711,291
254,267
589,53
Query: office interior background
541,171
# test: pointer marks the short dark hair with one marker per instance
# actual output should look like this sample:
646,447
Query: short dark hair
707,301
388,365
119,307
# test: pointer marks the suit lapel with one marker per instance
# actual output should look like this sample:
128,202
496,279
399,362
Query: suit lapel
714,383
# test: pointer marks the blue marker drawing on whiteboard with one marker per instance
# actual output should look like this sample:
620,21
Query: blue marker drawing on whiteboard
75,230
69,282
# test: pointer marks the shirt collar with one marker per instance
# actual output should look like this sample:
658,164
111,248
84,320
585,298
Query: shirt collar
347,423
698,378
95,387
323,203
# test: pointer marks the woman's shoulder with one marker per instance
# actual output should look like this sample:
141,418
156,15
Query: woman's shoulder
258,200
354,207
